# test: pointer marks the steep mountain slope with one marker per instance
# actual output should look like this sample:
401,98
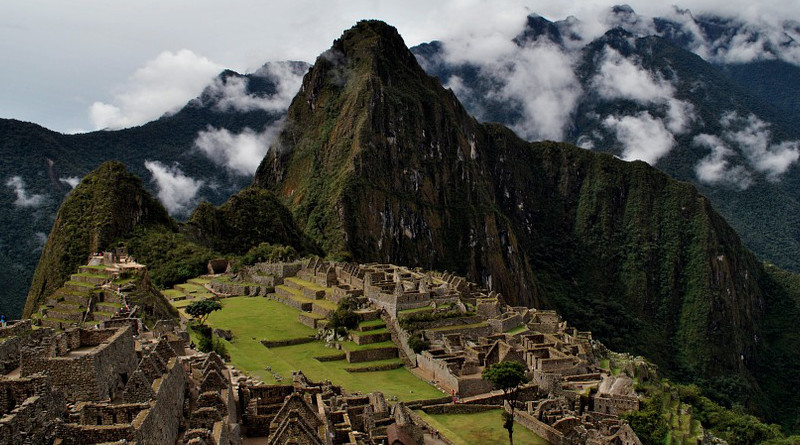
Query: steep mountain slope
639,92
108,204
378,162
40,166
246,219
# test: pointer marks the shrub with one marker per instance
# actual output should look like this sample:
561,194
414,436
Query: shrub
418,344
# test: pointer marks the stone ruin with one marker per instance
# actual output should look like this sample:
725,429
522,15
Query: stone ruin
119,382
307,412
468,329
92,386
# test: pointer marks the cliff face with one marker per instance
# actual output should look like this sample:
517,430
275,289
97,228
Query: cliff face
107,205
378,162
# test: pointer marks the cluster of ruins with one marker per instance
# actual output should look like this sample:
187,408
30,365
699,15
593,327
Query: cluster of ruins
96,293
115,381
570,399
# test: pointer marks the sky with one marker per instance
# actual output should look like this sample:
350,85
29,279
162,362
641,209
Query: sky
88,64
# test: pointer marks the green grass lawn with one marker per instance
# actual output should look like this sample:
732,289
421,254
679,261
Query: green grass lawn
478,429
172,293
252,319
517,330
308,284
372,323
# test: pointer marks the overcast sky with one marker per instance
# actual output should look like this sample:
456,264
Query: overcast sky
77,65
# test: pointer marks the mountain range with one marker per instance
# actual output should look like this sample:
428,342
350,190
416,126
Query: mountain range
376,161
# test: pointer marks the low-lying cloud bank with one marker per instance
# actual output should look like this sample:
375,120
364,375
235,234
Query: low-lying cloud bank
240,153
24,199
759,151
163,85
176,191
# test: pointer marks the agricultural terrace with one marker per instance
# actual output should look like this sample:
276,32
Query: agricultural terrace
252,319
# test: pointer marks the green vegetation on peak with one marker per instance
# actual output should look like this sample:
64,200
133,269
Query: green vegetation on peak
247,219
108,204
378,162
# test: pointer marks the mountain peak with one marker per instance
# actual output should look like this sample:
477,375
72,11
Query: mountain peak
108,204
372,37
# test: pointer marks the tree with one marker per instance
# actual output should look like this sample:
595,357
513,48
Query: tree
200,310
507,376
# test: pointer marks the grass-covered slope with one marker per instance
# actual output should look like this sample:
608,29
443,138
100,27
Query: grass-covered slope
380,163
107,205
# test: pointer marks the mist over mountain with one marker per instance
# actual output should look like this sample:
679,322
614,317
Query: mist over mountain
376,161
707,99
206,151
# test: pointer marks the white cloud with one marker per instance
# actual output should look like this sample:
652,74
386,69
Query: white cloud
73,181
240,153
246,34
543,81
715,167
40,238
17,185
233,93
754,139
163,85
624,17
176,191
538,78
643,137
621,78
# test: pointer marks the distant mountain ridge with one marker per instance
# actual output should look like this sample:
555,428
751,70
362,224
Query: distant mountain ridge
44,161
376,161
642,91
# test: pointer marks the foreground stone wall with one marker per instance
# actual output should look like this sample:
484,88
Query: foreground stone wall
162,422
369,355
93,366
547,432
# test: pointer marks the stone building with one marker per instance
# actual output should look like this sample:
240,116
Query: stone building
83,364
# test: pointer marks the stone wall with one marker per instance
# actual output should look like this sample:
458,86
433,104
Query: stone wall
161,423
437,370
545,431
9,354
470,331
473,385
90,413
76,434
614,404
16,328
459,408
368,355
288,342
400,338
277,270
92,366
507,323
249,290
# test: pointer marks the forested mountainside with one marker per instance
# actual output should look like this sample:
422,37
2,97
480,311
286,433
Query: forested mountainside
643,91
182,157
379,162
